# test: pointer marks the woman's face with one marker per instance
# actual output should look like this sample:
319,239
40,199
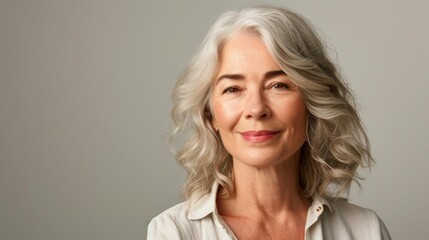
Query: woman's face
259,113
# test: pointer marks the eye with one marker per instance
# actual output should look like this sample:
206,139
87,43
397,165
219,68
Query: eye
280,86
230,90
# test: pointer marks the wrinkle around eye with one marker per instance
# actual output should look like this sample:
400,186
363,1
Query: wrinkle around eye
230,90
281,85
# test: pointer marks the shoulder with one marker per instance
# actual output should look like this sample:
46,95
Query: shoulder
176,213
192,219
349,211
359,222
170,224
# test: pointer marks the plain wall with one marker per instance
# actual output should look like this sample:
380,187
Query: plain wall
85,100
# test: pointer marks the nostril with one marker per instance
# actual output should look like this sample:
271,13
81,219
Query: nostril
261,112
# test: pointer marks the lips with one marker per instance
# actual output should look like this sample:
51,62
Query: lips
258,136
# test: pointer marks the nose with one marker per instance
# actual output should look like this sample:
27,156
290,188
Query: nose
256,107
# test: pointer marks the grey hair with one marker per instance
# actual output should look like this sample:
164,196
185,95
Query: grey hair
336,141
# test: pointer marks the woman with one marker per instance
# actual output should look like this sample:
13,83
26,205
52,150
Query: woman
271,137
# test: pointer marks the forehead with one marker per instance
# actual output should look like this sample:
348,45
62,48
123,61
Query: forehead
241,41
245,49
243,38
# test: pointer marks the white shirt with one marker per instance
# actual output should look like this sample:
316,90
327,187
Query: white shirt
332,220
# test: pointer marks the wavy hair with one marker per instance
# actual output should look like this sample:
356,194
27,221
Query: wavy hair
336,141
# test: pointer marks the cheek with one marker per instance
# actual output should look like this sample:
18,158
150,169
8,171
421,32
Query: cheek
226,114
295,114
301,119
300,112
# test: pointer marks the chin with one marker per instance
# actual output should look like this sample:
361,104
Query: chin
261,161
264,159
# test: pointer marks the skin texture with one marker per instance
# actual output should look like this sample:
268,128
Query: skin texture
261,118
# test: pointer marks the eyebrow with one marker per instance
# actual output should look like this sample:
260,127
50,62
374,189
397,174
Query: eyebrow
268,75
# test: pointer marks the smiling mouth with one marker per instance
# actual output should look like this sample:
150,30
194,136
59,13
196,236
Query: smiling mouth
258,136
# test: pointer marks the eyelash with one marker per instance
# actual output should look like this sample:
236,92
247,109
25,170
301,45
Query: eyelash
277,85
230,90
280,85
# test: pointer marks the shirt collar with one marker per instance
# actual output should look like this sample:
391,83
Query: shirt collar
207,204
322,201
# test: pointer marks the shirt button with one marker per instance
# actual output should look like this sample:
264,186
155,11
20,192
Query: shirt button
319,209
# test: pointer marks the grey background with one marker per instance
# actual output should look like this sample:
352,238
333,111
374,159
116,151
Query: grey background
84,105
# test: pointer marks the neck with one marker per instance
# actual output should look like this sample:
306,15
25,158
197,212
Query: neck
267,191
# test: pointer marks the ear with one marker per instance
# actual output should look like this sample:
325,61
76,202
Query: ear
214,124
209,116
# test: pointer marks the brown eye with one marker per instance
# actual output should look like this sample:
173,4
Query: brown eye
281,86
230,90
